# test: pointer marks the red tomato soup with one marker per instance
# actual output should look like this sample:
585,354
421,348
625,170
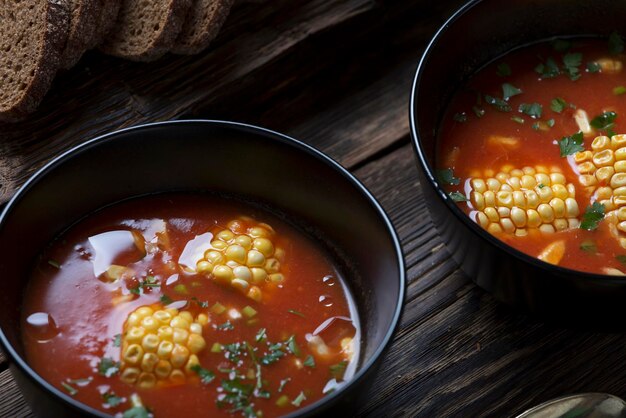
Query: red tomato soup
531,149
189,305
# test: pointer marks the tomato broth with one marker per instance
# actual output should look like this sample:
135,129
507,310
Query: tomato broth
105,284
535,114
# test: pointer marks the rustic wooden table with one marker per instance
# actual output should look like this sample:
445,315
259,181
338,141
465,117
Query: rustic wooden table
337,75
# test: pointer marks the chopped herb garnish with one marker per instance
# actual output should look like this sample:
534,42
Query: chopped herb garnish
604,122
593,67
616,44
309,361
226,326
165,300
261,335
621,258
447,176
249,311
117,340
206,376
111,399
503,70
282,401
479,112
237,394
533,110
283,383
592,216
536,126
561,45
299,399
108,367
273,356
460,117
558,105
293,311
509,90
218,308
292,345
54,264
80,382
569,145
200,303
541,185
457,197
500,104
550,123
589,247
338,370
548,70
571,63
136,412
619,90
69,388
233,351
517,119
216,348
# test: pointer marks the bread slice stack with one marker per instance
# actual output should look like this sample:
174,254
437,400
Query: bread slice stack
40,37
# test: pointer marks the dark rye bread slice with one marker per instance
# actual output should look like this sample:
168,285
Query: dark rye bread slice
107,16
202,25
145,30
33,34
83,17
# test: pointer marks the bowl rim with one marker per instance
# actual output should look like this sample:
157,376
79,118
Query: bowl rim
428,170
362,371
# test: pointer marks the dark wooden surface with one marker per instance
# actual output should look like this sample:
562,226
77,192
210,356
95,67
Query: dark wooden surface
337,75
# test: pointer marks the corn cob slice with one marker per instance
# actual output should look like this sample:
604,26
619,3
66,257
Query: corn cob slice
603,173
160,346
244,257
515,200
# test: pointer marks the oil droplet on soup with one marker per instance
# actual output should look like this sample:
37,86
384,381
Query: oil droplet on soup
181,305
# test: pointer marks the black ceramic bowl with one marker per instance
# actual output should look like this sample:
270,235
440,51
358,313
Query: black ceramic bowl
478,33
288,175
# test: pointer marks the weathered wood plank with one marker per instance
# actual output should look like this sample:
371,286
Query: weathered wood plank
12,403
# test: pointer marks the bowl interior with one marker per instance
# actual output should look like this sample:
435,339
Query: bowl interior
222,157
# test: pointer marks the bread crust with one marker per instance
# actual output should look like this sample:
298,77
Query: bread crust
82,28
107,16
120,41
53,41
203,23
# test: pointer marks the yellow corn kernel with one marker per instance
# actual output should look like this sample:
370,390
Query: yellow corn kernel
478,185
225,235
543,178
533,218
547,229
613,271
546,212
518,216
587,168
506,142
600,143
490,198
604,174
146,380
482,219
560,224
254,293
130,375
610,65
515,183
587,180
558,206
507,225
504,212
240,284
604,158
494,228
196,343
582,156
582,120
553,253
492,214
493,184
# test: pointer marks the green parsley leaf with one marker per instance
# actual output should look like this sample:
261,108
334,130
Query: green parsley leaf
117,340
460,117
518,119
293,311
572,61
503,70
616,44
478,111
533,110
273,356
205,375
282,384
589,247
498,103
457,197
111,399
108,367
548,70
446,176
293,346
619,90
509,90
69,388
226,326
338,370
621,258
165,300
181,289
550,123
309,361
136,412
536,126
605,121
569,145
558,105
593,67
561,45
261,335
299,399
202,304
592,216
